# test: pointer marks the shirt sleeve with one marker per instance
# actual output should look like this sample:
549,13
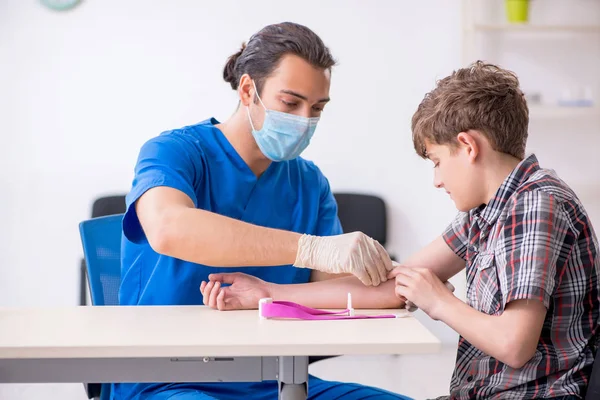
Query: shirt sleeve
165,160
329,223
456,234
537,239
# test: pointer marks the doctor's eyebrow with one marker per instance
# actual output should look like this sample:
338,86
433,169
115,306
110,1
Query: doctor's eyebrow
298,95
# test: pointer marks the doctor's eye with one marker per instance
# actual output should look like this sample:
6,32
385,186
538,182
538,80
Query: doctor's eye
288,104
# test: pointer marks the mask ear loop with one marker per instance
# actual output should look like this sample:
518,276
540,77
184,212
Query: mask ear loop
259,99
261,103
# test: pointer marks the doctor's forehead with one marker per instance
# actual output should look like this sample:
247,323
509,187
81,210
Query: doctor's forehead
295,74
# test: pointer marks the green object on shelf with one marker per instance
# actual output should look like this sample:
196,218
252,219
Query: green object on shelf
517,11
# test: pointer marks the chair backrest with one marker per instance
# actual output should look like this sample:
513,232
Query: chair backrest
101,239
108,205
365,213
593,389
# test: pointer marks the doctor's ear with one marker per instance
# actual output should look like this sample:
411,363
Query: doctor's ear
246,90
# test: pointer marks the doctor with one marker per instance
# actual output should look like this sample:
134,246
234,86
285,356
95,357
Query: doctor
235,196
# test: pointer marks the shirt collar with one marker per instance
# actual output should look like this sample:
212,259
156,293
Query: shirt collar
518,176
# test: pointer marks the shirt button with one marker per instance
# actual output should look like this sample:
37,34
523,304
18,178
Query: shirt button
470,379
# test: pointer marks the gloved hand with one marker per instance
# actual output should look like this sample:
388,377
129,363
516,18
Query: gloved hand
354,253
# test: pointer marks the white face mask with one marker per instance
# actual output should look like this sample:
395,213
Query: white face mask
283,136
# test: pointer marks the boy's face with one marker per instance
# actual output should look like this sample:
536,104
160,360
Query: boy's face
455,171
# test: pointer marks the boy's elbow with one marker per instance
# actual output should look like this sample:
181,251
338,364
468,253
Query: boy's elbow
516,362
517,354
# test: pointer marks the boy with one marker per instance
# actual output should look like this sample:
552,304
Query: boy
530,324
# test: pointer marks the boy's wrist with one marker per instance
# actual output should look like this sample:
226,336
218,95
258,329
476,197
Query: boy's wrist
446,308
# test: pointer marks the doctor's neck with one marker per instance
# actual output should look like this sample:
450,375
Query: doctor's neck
238,132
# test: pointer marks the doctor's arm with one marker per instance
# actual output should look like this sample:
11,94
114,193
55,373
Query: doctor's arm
176,228
164,212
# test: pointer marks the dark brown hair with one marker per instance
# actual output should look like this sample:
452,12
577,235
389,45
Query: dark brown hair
482,97
261,56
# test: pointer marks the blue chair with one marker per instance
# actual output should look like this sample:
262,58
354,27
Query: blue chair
101,240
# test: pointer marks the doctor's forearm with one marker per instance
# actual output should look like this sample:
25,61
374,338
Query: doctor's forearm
333,294
204,237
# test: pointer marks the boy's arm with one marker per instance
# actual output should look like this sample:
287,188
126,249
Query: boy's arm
245,291
445,255
534,243
511,338
439,258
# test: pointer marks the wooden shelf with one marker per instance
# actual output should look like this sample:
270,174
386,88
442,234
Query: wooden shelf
537,28
549,111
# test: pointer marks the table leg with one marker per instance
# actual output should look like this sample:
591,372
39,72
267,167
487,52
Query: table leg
293,377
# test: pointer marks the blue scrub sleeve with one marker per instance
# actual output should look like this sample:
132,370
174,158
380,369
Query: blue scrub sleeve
166,160
329,223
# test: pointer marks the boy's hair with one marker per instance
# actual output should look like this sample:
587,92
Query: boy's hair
482,97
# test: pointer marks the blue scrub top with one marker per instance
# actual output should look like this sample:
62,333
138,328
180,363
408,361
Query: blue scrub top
199,161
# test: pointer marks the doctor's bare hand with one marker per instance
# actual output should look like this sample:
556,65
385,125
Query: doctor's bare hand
354,253
243,293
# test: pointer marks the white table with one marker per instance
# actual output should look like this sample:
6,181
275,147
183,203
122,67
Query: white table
187,344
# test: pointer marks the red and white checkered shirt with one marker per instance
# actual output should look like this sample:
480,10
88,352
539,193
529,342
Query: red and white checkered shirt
532,241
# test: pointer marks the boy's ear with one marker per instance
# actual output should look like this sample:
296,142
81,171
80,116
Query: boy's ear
469,144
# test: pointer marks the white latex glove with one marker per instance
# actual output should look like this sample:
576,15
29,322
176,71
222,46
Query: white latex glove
354,253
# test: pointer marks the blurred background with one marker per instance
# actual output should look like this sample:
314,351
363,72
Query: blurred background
82,89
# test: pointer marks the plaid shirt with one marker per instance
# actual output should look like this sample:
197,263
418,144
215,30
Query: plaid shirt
532,241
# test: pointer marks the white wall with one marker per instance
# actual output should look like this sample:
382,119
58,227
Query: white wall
84,89
81,91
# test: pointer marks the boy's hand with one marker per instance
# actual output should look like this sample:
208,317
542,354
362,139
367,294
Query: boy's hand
422,288
243,293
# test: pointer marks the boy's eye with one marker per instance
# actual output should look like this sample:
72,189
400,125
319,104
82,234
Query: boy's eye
318,109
